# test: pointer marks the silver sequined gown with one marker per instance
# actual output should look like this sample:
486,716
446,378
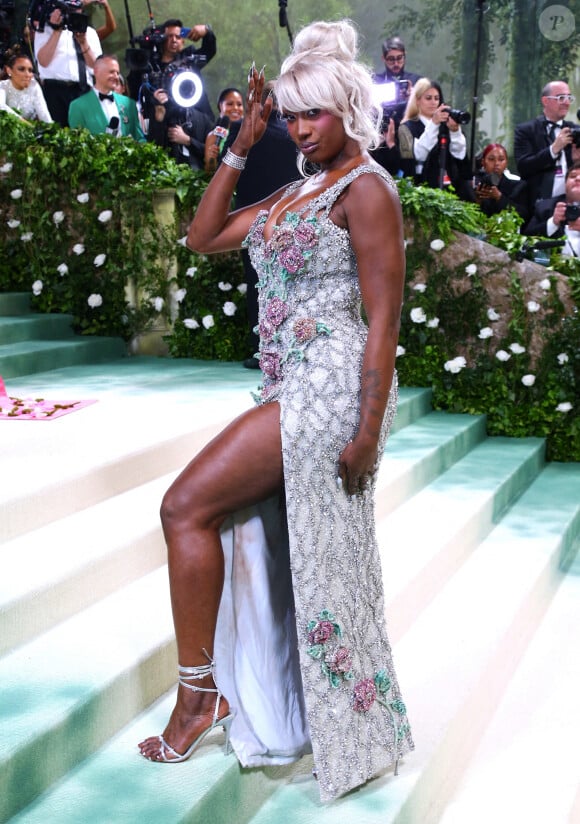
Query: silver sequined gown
305,659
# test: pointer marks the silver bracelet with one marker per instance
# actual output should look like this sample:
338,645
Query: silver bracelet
234,160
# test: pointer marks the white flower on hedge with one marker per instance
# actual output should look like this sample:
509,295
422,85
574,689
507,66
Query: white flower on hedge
229,308
62,269
99,260
7,167
191,271
492,314
529,380
502,355
533,306
471,269
105,216
456,365
400,351
16,194
191,323
517,348
83,197
418,315
182,240
58,217
26,236
157,303
242,288
437,245
563,358
433,323
78,248
37,287
180,294
486,332
225,287
95,300
420,287
13,224
565,406
207,321
545,284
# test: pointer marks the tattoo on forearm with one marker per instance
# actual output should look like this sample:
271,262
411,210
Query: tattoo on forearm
372,403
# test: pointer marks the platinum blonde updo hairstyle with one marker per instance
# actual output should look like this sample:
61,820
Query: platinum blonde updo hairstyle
323,72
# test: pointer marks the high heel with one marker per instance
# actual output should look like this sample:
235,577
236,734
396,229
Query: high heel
187,674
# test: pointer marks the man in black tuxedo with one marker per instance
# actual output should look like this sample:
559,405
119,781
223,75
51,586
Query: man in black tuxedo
542,147
549,219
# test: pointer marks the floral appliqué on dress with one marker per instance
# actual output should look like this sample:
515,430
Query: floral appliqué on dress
325,645
286,256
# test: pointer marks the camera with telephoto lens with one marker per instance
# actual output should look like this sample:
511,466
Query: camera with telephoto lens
572,212
486,179
72,18
458,115
575,131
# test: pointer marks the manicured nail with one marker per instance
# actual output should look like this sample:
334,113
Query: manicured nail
252,70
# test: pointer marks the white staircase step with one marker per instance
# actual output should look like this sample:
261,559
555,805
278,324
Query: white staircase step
51,469
62,568
430,535
460,654
526,766
117,786
67,691
454,663
416,455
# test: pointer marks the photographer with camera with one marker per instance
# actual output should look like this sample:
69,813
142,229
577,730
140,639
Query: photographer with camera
496,188
394,57
162,50
66,48
559,217
542,146
173,101
432,146
392,90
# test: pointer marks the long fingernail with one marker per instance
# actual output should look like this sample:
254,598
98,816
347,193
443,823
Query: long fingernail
262,71
339,482
252,70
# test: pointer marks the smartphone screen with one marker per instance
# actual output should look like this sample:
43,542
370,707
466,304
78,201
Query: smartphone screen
185,32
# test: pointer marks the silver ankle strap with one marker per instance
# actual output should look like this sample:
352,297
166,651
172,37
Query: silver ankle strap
187,674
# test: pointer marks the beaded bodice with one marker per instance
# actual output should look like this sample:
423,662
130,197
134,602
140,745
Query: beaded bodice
308,280
24,101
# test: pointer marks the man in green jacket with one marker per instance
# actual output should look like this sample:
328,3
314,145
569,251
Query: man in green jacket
101,110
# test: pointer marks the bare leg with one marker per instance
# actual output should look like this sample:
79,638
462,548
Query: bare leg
240,467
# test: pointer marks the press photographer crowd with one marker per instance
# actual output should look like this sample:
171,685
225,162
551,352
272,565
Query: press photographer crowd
55,69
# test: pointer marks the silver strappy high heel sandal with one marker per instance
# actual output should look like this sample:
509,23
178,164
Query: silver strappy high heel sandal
187,674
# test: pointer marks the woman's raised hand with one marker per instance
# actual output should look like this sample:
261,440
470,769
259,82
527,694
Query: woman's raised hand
256,113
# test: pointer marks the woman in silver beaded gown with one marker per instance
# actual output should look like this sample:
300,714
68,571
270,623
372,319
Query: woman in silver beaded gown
20,93
300,650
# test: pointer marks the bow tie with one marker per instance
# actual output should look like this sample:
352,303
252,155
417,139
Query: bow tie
106,96
557,123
